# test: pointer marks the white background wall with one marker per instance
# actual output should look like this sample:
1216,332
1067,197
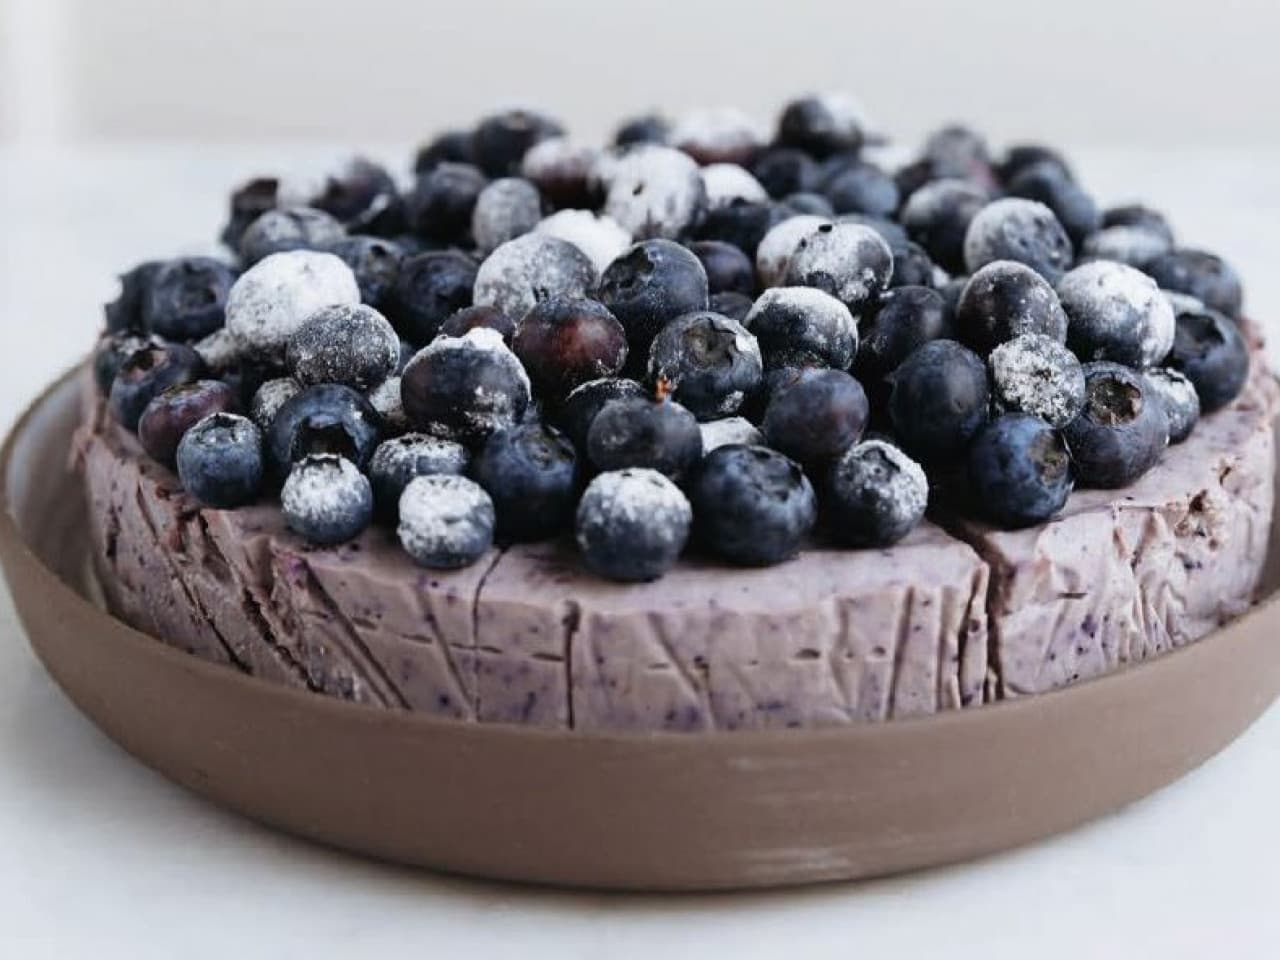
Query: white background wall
1080,72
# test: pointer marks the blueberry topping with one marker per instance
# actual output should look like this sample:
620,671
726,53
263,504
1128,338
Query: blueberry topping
362,195
1135,246
1036,374
446,522
220,461
727,267
661,435
452,146
248,202
505,209
1020,470
710,361
175,411
728,183
442,200
863,188
584,402
270,396
145,374
387,401
937,216
289,228
469,318
111,353
773,255
733,305
431,287
939,401
326,499
722,135
743,223
1026,155
124,313
1021,230
327,418
1209,350
876,495
721,433
1122,431
849,261
783,171
1144,218
270,300
908,318
654,191
186,298
375,262
1006,299
911,266
651,284
650,128
401,459
1180,400
563,343
531,473
1205,276
523,272
1074,208
355,346
816,416
820,126
563,172
598,236
631,525
1116,313
801,327
501,141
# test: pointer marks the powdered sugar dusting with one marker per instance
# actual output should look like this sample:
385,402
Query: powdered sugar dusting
1036,374
727,182
220,350
321,489
719,433
385,398
529,269
601,237
773,256
904,486
1135,246
270,397
653,191
850,261
553,156
445,520
716,133
271,300
1108,292
506,208
635,495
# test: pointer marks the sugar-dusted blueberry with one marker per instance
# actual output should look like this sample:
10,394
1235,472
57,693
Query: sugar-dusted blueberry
890,231
124,313
651,284
186,298
817,416
248,202
219,352
1136,246
326,499
908,317
599,236
501,140
783,171
958,151
1209,350
289,228
219,460
719,135
505,209
1036,374
654,191
646,128
579,409
1202,275
362,195
563,173
387,400
710,362
727,267
376,265
326,418
442,200
875,495
464,388
145,374
937,216
1020,470
726,183
532,268
727,430
175,411
352,345
1005,299
401,459
112,351
774,252
659,434
1116,313
731,304
446,522
269,397
810,204
469,318
863,188
1013,228
1142,217
803,326
1022,156
1121,432
270,300
939,401
429,289
1181,402
530,471
1074,208
452,146
821,125
911,266
563,342
743,223
849,261
631,525
751,505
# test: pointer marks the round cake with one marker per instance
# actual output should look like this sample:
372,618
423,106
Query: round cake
699,431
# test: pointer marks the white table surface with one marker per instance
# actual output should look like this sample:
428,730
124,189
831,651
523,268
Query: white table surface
100,857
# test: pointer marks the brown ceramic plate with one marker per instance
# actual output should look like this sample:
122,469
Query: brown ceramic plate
649,811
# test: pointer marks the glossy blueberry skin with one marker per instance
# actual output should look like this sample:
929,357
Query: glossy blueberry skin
939,401
710,361
112,351
1004,300
1122,431
501,141
1209,350
344,510
652,283
1020,471
1074,208
908,318
730,304
479,316
1023,156
658,434
582,405
816,416
743,223
186,298
124,313
784,170
812,204
1199,274
649,128
327,418
863,188
220,461
430,288
751,505
911,266
171,414
531,473
248,202
875,495
565,342
728,268
452,146
631,525
1137,215
376,264
808,124
441,202
145,374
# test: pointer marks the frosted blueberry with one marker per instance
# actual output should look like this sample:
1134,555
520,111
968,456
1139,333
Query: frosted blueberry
1136,246
849,261
803,326
726,183
876,495
1021,230
562,171
710,362
506,209
446,522
465,388
385,398
598,236
530,269
717,135
272,299
631,525
352,345
402,458
289,228
1006,299
219,461
1116,313
654,191
773,255
1036,374
1180,400
727,430
270,397
326,499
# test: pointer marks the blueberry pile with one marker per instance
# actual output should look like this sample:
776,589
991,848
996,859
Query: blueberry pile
697,337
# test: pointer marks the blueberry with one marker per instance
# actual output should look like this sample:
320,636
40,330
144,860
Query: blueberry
1022,156
957,151
813,204
443,199
849,261
248,202
172,413
531,473
505,209
863,188
654,191
649,128
1180,400
817,416
1074,208
529,269
938,215
773,255
717,135
1135,246
908,318
584,402
727,430
1136,215
1205,276
362,195
446,522
111,353
1020,470
1116,313
124,313
429,289
1006,299
911,266
465,388
890,231
501,141
743,224
376,265
452,146
326,499
939,401
145,374
1016,229
327,418
564,173
355,346
289,228
400,459
598,236
1036,374
651,284
271,299
661,435
220,461
565,342
727,267
269,397
388,403
733,305
728,183
632,524
1122,431
710,362
469,318
783,171
186,298
802,326
876,495
820,126
1209,350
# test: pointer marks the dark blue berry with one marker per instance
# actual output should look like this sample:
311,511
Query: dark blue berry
431,287
410,455
812,204
376,264
727,267
649,128
564,342
1004,300
220,461
363,196
501,141
531,473
783,171
186,298
1022,156
452,146
442,200
469,318
1117,313
863,188
1074,208
248,202
289,228
111,353
733,305
1014,228
171,414
957,151
1209,350
124,313
803,327
446,522
1202,275
327,418
465,388
1180,400
850,261
352,345
1122,431
326,499
939,400
751,505
583,404
938,215
710,362
145,374
631,525
658,434
817,416
907,318
819,126
652,283
876,495
911,266
743,223
1020,470
1137,215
